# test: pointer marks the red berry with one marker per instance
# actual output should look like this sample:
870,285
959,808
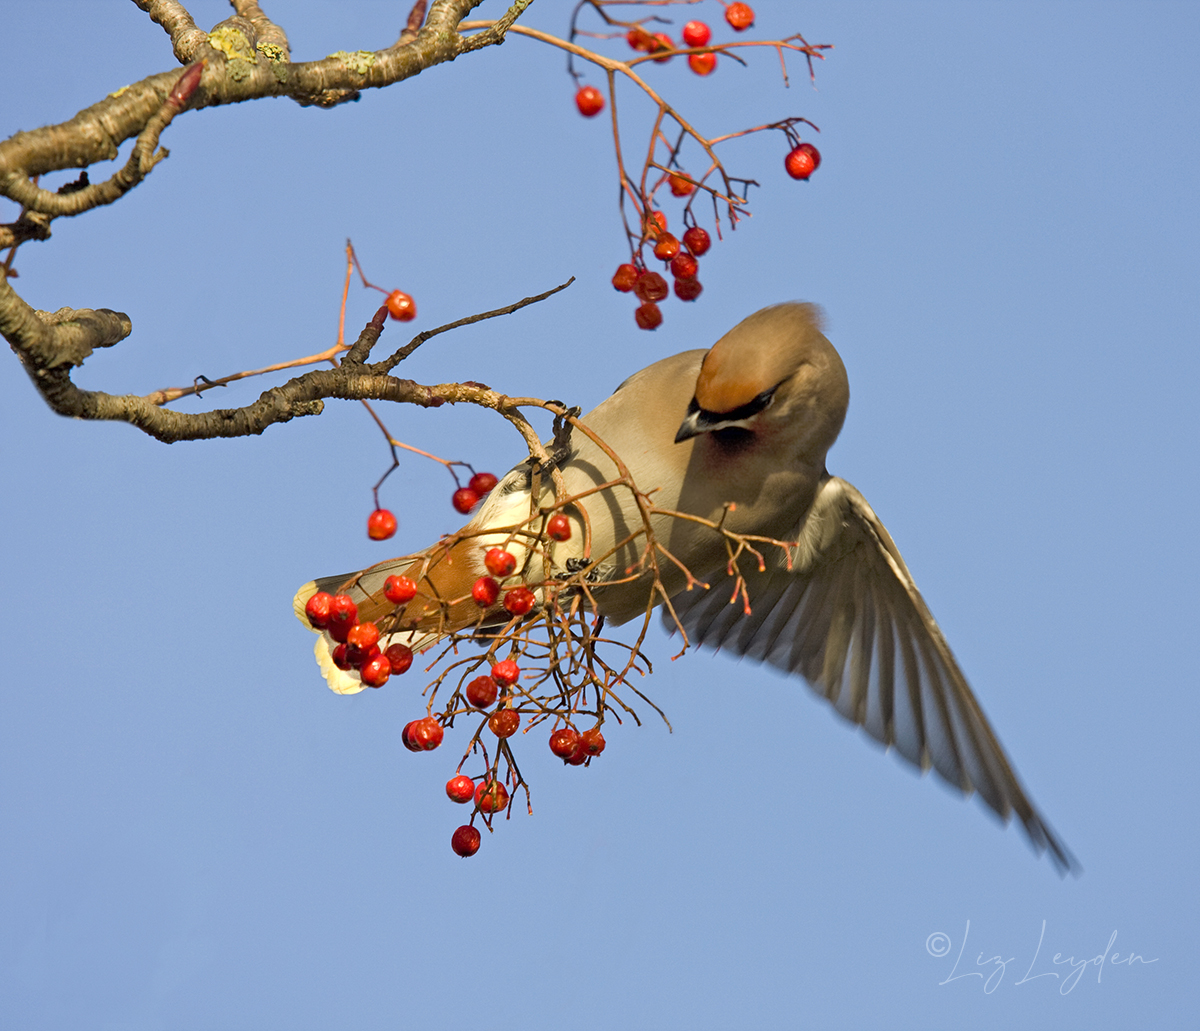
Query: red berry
381,524
499,562
465,841
338,631
803,161
680,185
485,592
661,42
425,734
340,657
504,722
650,287
506,672
624,278
519,600
666,248
460,789
639,38
688,289
697,240
399,589
464,499
406,736
342,611
359,657
491,796
559,527
702,64
363,635
564,742
696,34
317,609
579,756
740,16
482,483
648,316
400,657
656,222
375,672
684,266
401,307
592,740
482,692
590,101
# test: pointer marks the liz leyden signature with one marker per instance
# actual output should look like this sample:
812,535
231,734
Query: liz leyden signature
995,967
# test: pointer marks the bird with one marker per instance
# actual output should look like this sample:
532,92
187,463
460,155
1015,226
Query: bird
736,437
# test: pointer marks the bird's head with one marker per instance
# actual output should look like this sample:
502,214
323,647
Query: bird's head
775,381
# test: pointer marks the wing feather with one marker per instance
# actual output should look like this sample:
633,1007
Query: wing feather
848,618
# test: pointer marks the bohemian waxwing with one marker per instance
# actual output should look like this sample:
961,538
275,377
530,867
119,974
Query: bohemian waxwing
738,432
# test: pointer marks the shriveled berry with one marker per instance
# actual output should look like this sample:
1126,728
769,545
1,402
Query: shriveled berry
740,16
650,287
464,499
648,316
460,789
702,64
340,657
491,796
697,240
656,222
465,841
401,306
317,609
482,483
558,528
359,657
485,592
696,34
592,740
803,161
399,589
504,722
563,742
624,278
662,42
688,289
375,672
400,656
506,673
519,600
684,266
499,562
666,248
482,692
579,756
381,524
680,185
590,101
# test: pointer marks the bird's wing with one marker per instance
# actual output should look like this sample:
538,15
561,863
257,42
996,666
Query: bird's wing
848,618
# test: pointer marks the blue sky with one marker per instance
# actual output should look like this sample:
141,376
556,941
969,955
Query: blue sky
1004,236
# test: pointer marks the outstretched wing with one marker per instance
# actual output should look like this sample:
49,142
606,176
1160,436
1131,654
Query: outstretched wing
849,619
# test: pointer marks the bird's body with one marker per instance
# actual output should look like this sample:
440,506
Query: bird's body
735,435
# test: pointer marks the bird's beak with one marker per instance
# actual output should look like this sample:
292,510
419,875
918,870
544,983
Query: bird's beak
693,425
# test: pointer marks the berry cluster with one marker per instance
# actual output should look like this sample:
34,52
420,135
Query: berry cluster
679,257
650,287
357,644
492,694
